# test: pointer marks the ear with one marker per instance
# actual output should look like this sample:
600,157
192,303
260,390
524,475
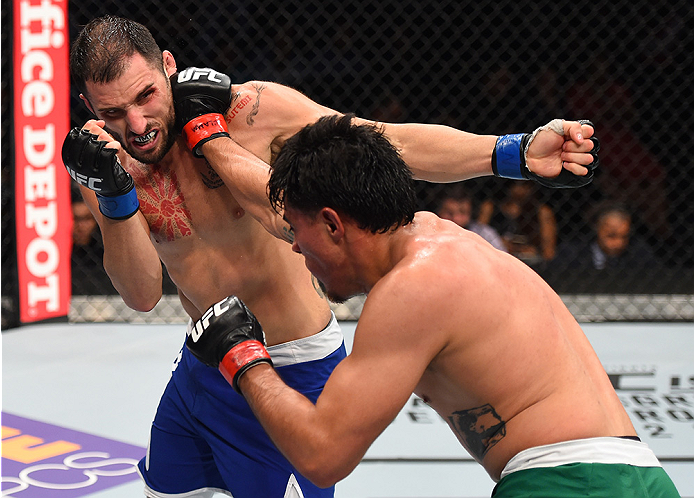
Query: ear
333,223
169,62
87,103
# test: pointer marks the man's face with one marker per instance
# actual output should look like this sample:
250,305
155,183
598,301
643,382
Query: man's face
322,255
138,109
457,211
613,234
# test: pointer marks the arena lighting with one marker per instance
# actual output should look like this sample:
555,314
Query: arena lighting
42,188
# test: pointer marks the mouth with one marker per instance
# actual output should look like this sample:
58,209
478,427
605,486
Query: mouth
146,141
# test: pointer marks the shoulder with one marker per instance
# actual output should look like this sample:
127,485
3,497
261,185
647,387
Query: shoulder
268,90
442,262
282,107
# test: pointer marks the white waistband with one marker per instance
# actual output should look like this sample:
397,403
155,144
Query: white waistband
313,347
610,450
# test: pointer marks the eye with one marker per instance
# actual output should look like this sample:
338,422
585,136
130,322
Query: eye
146,96
112,113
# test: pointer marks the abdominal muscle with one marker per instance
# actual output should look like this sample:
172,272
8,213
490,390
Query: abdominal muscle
262,271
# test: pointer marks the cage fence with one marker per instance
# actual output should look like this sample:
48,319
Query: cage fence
484,67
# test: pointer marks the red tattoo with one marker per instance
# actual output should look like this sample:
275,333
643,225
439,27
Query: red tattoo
162,203
240,105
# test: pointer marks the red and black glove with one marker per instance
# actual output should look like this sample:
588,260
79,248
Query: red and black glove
230,338
201,98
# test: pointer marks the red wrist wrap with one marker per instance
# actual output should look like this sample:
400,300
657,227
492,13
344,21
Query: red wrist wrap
204,127
241,356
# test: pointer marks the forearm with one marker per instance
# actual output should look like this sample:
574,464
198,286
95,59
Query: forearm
246,177
295,425
132,262
438,153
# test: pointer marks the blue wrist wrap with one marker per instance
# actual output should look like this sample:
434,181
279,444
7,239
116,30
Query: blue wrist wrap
506,158
119,207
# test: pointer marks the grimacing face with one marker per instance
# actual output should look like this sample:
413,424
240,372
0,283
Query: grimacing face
138,108
321,256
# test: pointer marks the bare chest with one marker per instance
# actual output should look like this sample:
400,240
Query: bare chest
183,201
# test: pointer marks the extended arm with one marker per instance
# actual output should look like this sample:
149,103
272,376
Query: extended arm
365,392
559,154
555,155
130,259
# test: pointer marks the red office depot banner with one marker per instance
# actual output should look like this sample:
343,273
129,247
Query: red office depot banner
42,186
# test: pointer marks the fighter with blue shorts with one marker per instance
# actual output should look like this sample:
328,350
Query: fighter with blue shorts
212,440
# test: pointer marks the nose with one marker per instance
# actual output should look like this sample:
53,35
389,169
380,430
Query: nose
137,122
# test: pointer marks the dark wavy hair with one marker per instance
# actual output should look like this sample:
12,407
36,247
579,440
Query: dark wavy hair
353,169
100,51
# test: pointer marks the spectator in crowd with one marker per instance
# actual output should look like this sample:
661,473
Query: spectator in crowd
612,244
527,226
456,205
88,274
630,173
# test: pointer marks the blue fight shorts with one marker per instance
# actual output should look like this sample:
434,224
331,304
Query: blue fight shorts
205,439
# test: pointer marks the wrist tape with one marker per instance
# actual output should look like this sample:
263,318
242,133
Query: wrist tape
240,358
119,207
203,128
508,158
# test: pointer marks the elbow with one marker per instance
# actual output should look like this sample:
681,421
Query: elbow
140,297
322,476
141,294
325,471
141,303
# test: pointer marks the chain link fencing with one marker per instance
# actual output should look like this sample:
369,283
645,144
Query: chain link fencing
487,68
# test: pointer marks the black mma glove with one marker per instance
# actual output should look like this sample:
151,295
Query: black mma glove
508,160
91,164
230,338
201,98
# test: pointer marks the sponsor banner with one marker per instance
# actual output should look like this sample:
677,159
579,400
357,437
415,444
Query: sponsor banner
42,186
41,460
659,399
660,402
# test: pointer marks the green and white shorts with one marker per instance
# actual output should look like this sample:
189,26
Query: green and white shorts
605,467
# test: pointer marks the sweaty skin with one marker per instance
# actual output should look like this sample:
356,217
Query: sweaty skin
209,220
190,220
473,331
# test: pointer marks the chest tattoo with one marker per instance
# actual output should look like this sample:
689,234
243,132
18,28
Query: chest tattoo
210,178
162,203
250,119
480,428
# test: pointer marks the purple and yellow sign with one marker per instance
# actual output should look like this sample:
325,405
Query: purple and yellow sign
41,460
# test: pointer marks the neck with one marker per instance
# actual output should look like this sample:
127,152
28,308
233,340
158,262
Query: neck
375,255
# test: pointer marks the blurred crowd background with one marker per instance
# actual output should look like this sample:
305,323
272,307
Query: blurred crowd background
484,67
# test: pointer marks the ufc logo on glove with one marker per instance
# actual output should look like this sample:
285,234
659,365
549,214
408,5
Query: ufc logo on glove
204,322
195,73
85,180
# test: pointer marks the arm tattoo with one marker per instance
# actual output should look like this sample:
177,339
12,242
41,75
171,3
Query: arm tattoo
256,106
480,428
